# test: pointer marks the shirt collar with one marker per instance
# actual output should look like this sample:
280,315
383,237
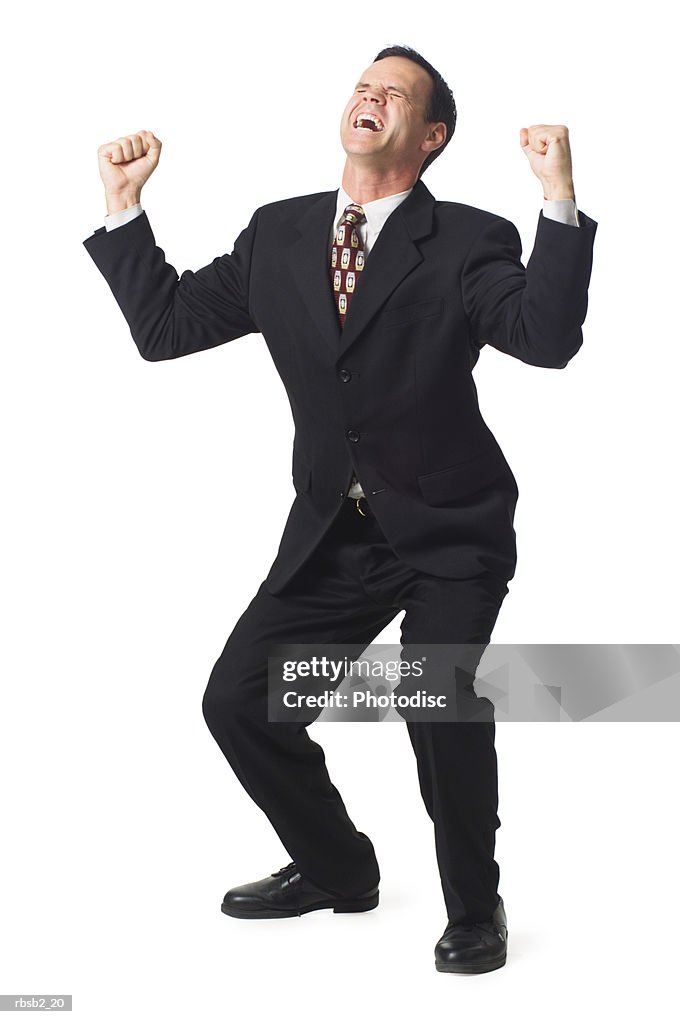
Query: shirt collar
377,211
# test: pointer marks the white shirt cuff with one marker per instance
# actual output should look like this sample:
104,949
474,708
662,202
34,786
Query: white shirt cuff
563,210
114,220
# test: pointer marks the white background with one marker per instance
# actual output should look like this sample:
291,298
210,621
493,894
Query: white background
143,503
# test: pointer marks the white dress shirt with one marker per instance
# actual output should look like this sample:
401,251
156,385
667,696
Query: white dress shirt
377,212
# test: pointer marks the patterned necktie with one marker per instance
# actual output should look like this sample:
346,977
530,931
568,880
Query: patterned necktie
347,259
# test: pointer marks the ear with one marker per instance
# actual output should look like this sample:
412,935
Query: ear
436,137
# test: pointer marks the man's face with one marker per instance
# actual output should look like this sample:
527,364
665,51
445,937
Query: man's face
396,92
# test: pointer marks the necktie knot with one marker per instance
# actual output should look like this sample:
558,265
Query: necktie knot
354,214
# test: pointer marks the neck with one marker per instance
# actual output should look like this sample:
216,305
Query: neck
364,184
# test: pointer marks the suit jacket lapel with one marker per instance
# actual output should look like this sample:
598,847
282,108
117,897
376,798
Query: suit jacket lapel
310,265
393,256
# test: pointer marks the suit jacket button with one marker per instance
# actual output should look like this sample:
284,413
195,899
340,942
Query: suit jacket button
344,375
353,435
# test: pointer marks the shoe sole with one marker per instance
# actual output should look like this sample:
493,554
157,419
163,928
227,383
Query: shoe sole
357,906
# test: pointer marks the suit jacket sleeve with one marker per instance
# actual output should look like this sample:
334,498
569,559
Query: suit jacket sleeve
171,316
534,314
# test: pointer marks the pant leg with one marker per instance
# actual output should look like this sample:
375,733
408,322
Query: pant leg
457,763
280,766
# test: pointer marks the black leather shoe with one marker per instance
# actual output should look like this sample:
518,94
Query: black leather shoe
474,948
285,893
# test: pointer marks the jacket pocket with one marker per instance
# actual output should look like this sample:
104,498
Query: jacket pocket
407,314
302,473
463,479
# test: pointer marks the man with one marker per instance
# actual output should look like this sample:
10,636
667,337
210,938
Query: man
374,300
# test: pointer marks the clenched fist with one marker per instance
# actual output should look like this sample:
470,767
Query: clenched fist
547,149
125,165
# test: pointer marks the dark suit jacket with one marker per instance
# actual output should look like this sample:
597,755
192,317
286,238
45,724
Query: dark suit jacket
392,396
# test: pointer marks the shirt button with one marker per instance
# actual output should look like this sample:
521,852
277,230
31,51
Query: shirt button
344,375
353,435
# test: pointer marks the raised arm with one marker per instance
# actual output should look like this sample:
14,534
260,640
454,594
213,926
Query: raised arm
533,313
168,315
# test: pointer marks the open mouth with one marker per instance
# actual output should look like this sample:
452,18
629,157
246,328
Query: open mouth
368,123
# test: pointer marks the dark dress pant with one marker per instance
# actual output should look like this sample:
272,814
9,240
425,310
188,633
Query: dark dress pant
349,589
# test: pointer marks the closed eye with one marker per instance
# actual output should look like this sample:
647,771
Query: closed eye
390,89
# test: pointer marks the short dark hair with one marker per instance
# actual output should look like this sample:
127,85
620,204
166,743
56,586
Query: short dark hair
441,106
